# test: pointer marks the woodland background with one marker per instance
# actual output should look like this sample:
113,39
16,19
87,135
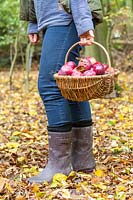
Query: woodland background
23,133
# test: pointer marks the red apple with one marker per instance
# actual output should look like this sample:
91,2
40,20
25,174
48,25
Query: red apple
98,68
91,59
105,66
89,73
83,65
71,64
66,69
76,73
61,73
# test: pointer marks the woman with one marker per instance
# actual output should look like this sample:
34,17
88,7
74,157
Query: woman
69,123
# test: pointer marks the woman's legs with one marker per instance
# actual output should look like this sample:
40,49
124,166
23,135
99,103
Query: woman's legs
60,112
56,42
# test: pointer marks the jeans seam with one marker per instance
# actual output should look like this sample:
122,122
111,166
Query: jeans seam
63,45
65,40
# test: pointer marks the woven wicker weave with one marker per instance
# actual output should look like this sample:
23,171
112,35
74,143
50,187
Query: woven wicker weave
87,87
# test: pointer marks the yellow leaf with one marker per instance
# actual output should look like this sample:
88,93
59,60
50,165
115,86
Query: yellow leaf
12,145
120,187
121,117
95,195
54,184
27,135
120,196
21,159
71,175
15,133
35,188
40,195
9,188
32,113
130,135
58,180
99,173
32,170
59,177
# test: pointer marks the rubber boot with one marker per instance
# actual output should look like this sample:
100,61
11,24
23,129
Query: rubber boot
82,155
59,157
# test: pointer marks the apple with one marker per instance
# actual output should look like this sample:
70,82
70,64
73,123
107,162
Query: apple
76,73
71,63
98,68
105,66
89,73
61,73
66,69
91,59
84,64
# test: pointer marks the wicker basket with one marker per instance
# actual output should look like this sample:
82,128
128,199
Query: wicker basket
87,87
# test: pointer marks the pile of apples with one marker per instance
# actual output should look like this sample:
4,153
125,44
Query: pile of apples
87,66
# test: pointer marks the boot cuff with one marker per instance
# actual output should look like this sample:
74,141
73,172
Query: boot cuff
84,123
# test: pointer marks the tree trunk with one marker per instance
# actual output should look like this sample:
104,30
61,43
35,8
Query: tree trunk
129,4
29,55
13,61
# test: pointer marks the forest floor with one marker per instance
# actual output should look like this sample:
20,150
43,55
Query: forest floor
24,145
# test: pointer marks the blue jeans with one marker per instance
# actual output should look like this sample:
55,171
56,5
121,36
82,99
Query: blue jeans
62,114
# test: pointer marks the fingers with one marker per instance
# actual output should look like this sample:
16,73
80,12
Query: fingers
34,38
84,41
87,38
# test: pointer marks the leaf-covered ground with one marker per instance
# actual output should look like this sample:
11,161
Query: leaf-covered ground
24,146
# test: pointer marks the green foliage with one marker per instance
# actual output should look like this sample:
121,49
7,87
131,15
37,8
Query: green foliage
112,5
9,23
11,30
115,12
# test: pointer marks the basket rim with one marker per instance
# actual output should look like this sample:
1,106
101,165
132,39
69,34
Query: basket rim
87,77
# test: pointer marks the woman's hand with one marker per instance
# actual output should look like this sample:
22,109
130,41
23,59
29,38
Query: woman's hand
87,38
34,38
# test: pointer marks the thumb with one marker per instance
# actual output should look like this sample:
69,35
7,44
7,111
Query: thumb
91,32
35,37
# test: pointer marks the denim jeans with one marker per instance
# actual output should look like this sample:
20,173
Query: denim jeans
61,113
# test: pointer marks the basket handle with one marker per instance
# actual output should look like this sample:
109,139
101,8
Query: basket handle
96,43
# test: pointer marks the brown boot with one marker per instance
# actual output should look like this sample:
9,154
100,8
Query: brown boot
82,155
59,157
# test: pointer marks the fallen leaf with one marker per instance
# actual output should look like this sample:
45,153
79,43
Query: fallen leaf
19,197
2,183
99,173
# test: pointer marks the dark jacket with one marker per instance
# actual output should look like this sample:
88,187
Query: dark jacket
27,10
